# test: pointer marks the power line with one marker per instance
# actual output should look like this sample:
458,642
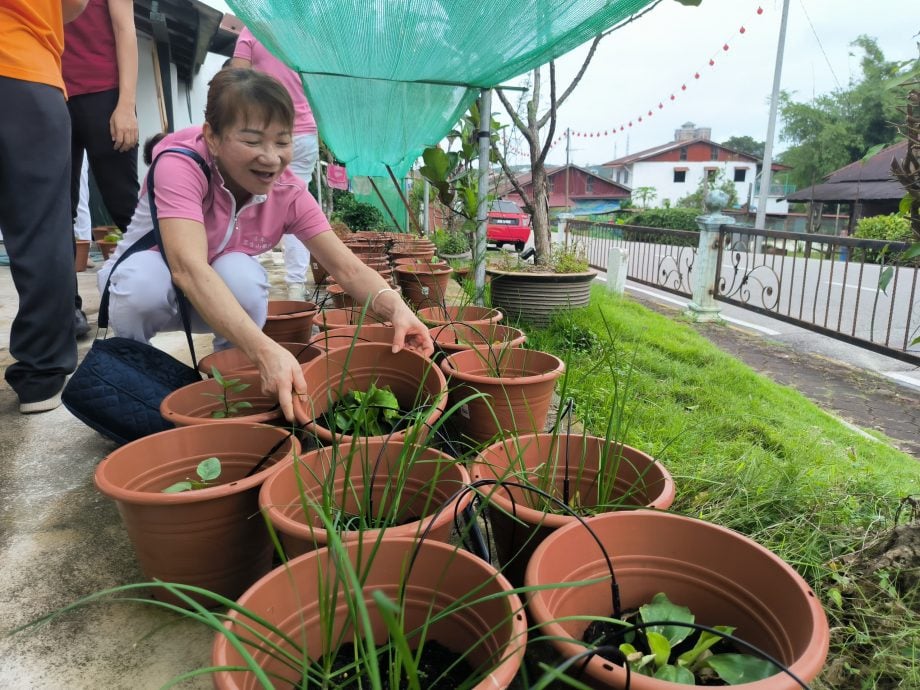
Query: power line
818,39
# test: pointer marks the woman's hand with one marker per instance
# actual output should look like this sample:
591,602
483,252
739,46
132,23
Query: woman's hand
281,376
410,333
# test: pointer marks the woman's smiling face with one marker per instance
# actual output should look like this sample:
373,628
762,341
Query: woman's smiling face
250,155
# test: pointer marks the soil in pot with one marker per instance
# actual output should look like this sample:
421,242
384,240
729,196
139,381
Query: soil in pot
290,321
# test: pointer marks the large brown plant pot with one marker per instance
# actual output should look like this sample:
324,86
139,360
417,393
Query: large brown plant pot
290,321
340,299
81,255
234,361
723,577
402,252
390,478
535,297
635,479
345,336
469,314
415,381
487,629
456,337
517,384
318,270
194,403
329,319
423,286
213,538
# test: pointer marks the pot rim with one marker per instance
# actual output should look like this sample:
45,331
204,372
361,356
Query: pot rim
447,364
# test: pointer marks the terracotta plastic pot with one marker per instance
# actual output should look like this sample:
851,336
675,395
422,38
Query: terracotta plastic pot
414,261
423,286
106,247
469,314
518,385
290,321
390,478
398,252
723,577
328,319
345,336
100,231
340,299
489,631
318,270
234,361
456,337
635,479
213,538
81,255
194,403
415,380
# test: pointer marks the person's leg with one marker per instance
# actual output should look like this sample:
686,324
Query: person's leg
38,235
77,125
82,226
115,172
142,301
296,255
248,282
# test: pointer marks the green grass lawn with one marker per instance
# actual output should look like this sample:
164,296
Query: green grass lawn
760,458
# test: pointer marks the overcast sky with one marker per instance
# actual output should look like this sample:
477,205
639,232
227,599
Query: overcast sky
642,64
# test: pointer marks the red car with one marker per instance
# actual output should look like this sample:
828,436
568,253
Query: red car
507,224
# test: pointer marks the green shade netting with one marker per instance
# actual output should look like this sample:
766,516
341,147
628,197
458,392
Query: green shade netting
364,192
386,78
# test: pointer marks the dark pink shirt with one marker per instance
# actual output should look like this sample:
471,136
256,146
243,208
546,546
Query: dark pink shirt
248,48
89,63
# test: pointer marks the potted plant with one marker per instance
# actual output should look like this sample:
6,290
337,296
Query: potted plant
395,614
416,394
455,337
220,399
289,321
423,285
452,244
723,577
469,314
349,316
108,241
81,255
364,487
211,537
234,361
508,390
345,336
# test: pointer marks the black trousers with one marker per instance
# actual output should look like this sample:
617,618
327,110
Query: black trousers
38,235
115,171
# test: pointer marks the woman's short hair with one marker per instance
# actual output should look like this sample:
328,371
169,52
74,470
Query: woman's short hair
241,94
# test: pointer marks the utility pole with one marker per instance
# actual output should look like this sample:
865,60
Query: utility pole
765,176
484,140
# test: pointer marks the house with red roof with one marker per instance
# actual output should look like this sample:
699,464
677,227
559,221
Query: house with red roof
572,189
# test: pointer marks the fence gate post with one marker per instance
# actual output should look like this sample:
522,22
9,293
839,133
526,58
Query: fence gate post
703,306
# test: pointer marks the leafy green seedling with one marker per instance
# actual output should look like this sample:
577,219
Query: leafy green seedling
208,471
373,412
655,653
228,386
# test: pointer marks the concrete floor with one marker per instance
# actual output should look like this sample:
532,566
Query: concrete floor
60,540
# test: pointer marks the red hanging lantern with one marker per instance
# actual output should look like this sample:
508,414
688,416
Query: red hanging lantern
760,10
711,62
640,118
725,46
672,96
661,105
742,30
683,87
630,123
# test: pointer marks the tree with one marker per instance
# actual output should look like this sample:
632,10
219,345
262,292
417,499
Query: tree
837,129
645,195
746,145
538,132
717,180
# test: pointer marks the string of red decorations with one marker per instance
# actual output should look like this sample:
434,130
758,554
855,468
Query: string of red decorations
622,127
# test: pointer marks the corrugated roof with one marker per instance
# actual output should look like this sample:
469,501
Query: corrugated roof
860,181
661,148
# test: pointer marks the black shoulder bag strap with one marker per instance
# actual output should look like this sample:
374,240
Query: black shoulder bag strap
153,239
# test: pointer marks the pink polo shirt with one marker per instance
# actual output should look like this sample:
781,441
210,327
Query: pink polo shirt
248,48
182,191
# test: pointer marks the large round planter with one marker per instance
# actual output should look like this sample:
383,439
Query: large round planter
289,321
234,361
213,538
403,252
456,337
487,629
345,336
194,403
415,380
469,314
723,577
392,479
518,387
535,297
635,480
328,319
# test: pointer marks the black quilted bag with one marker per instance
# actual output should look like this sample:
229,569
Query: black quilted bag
119,385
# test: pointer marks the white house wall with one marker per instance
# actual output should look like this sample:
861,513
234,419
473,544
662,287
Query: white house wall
660,175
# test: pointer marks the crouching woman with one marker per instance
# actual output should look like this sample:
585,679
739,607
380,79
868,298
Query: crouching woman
214,224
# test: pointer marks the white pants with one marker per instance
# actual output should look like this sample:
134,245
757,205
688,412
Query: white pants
81,226
296,255
142,299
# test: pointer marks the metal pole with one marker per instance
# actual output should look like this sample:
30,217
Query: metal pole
760,220
318,178
485,141
425,219
402,196
383,201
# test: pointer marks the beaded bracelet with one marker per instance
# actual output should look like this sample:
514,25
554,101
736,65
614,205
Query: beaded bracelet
380,292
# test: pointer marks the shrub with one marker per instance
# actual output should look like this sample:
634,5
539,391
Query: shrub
451,241
893,227
356,214
669,218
